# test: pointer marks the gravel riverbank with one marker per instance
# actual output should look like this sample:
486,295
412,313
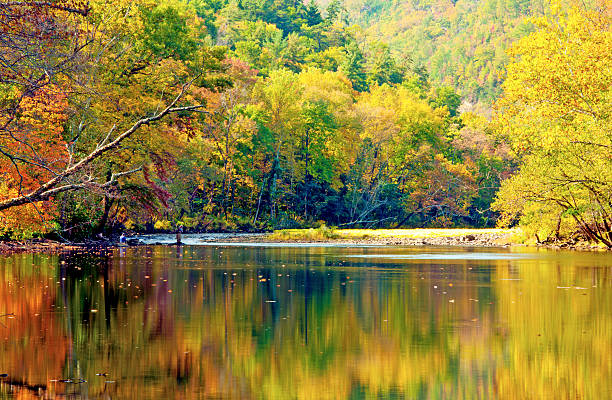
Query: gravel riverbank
447,238
471,240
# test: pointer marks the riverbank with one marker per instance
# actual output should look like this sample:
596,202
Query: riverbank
413,237
323,236
396,237
37,246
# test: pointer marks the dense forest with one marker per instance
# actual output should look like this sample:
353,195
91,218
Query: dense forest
259,114
461,43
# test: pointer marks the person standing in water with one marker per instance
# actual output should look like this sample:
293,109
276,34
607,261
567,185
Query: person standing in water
179,235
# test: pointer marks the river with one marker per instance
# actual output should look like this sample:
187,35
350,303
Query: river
250,321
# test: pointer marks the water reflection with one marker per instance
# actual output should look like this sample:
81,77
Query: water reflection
308,323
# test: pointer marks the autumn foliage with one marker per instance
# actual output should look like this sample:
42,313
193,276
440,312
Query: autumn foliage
220,116
556,113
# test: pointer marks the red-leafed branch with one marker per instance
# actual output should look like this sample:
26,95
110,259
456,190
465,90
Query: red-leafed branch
61,181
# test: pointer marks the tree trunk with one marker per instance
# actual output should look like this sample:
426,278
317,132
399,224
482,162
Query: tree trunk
307,176
108,202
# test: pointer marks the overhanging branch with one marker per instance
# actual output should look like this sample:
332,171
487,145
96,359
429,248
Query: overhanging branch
51,188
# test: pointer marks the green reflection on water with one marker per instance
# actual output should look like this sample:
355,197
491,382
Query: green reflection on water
306,323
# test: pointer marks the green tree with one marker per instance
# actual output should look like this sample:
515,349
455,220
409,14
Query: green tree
353,67
313,14
447,97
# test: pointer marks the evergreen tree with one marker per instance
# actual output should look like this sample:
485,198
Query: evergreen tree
353,66
313,14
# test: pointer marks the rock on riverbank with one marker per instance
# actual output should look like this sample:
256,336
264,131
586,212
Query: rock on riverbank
401,237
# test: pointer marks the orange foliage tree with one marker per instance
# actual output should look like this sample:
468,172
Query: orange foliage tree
77,82
33,153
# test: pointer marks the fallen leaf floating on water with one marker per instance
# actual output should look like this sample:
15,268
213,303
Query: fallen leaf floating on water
70,380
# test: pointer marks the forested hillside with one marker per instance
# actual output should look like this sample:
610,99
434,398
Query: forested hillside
228,115
250,114
461,43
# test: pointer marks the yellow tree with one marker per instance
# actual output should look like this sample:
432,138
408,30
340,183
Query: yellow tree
556,112
407,141
279,95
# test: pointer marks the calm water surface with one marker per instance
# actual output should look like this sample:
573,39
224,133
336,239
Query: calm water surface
201,322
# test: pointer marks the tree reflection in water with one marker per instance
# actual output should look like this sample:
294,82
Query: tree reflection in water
280,323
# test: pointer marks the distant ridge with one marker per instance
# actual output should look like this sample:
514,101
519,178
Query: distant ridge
461,43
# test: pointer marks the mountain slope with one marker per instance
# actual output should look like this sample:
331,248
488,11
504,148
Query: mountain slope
461,43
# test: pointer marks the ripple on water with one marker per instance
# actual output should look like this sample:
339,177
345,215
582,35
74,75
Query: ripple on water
446,256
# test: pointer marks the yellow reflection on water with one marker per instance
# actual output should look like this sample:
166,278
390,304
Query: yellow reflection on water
314,323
